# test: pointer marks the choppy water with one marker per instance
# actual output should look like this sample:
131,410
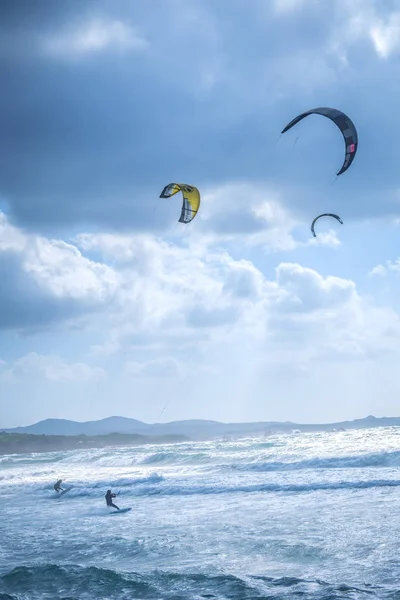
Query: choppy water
289,516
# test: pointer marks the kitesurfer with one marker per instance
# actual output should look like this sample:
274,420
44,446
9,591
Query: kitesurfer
109,496
57,486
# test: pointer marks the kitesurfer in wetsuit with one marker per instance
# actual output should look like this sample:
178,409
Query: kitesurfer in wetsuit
109,496
57,485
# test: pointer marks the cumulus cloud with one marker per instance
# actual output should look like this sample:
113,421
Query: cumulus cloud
11,238
382,270
308,290
194,310
386,35
51,368
327,238
366,332
358,20
61,269
326,319
171,288
243,279
163,297
158,285
295,317
379,270
47,280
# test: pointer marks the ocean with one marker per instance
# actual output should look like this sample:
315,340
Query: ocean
306,515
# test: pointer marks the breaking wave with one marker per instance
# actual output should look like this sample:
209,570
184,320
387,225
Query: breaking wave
73,582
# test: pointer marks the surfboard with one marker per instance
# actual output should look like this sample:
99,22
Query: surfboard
66,490
123,510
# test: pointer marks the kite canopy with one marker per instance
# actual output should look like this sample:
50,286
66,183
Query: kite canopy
345,125
324,215
191,199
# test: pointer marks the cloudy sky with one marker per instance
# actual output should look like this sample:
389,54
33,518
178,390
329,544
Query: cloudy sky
108,305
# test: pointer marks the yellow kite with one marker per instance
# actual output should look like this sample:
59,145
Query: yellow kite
191,199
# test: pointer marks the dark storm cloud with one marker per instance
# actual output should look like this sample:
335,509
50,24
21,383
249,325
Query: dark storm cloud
91,140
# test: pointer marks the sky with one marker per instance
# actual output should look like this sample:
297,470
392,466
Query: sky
109,305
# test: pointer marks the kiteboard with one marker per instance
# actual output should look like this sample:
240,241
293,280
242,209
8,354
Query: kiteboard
122,510
66,490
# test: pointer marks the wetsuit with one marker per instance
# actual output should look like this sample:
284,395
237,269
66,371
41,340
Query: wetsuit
57,486
109,501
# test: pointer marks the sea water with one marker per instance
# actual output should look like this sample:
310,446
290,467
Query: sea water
311,515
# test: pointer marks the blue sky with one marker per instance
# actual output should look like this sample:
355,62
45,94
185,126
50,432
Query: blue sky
108,305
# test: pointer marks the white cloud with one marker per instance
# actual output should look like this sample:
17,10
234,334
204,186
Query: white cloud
325,318
386,35
381,270
62,270
11,239
94,36
46,280
327,238
365,19
366,332
163,299
243,279
310,290
169,288
297,317
51,368
164,308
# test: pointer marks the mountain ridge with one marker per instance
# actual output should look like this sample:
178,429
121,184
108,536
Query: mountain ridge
193,428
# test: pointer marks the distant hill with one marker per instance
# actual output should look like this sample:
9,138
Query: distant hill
65,427
196,429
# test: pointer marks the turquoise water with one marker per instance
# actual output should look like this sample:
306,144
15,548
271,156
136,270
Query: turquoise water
307,515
